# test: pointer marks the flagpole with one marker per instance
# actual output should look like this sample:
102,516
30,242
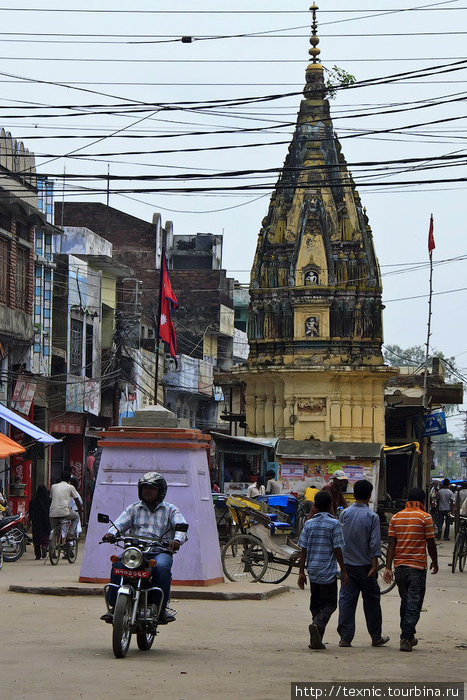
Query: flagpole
158,326
431,246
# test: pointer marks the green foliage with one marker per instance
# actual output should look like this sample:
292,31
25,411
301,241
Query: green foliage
338,78
414,356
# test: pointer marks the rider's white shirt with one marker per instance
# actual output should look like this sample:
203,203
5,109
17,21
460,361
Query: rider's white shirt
61,494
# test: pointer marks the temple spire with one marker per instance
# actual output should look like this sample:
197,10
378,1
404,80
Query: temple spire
314,39
314,88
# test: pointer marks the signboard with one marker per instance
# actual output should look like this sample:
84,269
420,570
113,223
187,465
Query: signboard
23,395
291,471
435,424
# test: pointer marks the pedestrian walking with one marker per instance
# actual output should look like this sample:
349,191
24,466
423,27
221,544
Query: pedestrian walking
446,501
411,532
39,518
362,537
321,543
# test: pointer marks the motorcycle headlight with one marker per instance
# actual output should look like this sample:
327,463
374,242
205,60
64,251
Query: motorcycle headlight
132,558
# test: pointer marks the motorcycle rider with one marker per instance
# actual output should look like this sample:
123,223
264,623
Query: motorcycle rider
151,516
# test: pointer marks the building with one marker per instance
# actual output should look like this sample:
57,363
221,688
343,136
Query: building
204,320
315,369
85,393
26,277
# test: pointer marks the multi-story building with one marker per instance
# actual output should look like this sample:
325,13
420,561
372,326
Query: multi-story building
85,354
26,273
204,320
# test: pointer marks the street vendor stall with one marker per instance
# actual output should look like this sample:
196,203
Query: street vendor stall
312,463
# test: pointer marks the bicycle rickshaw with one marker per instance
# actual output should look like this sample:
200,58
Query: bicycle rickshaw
265,550
262,549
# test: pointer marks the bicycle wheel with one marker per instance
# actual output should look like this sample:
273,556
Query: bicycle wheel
71,551
121,633
54,547
383,586
14,544
244,560
277,570
456,552
462,550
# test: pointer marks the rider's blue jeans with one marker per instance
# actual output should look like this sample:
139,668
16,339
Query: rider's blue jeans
161,577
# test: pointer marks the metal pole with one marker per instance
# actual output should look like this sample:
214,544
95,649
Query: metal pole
158,323
427,354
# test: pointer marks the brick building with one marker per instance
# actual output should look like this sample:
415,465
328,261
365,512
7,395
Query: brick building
204,321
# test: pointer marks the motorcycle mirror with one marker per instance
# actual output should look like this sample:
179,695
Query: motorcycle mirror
102,518
181,527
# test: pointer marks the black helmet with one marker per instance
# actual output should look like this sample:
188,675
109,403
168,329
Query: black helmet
155,480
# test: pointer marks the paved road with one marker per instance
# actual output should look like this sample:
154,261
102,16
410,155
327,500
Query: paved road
57,647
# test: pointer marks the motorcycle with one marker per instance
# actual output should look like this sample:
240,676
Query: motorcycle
133,614
12,540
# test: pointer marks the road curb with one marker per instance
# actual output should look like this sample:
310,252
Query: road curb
175,595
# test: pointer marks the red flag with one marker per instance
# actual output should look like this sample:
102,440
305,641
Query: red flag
167,303
431,238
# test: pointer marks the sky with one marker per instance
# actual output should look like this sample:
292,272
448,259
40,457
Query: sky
158,97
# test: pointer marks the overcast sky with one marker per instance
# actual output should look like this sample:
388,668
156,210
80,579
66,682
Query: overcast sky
145,62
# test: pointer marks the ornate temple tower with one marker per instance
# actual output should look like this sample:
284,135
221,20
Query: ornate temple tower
315,327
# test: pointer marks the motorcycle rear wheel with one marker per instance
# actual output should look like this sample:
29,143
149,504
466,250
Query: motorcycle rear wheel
1,558
121,633
14,545
145,640
54,548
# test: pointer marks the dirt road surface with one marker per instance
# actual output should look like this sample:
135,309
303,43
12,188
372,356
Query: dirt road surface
56,647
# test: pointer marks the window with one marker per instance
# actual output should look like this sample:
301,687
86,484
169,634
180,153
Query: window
23,231
89,349
76,346
22,260
4,271
5,221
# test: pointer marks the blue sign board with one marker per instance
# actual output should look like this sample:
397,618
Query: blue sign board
435,424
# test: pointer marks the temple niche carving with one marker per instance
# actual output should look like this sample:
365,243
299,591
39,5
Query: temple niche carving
312,327
311,277
315,277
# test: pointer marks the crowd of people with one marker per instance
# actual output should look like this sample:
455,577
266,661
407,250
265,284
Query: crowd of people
352,544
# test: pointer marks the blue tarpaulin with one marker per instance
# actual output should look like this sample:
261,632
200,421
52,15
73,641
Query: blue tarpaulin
26,427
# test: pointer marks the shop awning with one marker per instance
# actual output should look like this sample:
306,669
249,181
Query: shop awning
257,442
9,447
26,427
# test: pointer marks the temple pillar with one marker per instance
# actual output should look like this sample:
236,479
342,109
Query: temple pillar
260,402
250,401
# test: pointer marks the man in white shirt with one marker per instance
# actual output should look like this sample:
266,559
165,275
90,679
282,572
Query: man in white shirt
60,507
272,485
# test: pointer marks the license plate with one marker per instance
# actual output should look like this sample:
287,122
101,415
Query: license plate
128,573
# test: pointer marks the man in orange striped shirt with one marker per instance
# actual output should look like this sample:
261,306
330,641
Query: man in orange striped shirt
411,532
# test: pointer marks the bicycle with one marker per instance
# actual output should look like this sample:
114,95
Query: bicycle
460,546
60,544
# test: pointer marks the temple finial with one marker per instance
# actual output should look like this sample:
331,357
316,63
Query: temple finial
314,39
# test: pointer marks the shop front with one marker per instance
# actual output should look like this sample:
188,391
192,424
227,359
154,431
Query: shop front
240,460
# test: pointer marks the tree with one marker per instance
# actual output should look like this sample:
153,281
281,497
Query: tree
414,356
337,78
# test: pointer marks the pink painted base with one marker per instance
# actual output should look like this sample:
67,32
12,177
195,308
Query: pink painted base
178,454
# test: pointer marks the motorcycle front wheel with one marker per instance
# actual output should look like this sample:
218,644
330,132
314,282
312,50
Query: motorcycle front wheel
14,544
144,640
121,633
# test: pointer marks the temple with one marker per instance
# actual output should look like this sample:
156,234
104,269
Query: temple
315,369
